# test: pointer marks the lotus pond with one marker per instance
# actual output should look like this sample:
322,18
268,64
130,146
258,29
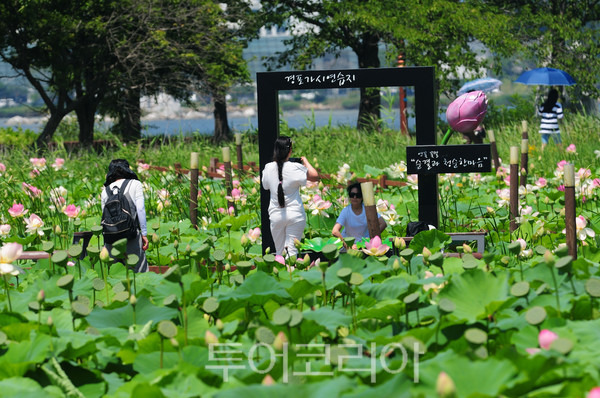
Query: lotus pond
226,320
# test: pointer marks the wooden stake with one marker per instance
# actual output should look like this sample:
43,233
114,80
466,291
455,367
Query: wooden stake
494,149
514,187
524,161
571,229
194,189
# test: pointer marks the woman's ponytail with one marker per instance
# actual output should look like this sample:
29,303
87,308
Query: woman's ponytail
283,146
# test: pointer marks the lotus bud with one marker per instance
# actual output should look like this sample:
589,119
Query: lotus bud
57,229
219,324
490,210
174,342
210,338
267,250
50,321
41,296
280,339
306,259
188,249
396,265
426,253
155,238
404,261
275,271
268,381
132,300
207,317
297,243
175,243
399,243
159,207
549,258
104,256
467,248
227,267
245,240
445,386
467,111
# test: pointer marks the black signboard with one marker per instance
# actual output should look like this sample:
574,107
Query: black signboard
436,159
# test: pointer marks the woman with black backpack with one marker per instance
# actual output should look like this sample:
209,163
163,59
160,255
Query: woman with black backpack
124,211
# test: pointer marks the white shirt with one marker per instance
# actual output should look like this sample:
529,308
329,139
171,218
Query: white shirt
135,191
354,225
294,176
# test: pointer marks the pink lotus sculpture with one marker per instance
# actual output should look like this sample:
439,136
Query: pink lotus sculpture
466,112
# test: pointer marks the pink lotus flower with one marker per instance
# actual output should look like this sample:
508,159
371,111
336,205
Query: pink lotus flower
17,210
143,167
2,168
466,112
561,165
432,286
594,393
375,248
582,230
279,258
545,338
31,190
254,234
72,211
236,196
58,164
70,264
235,183
9,253
318,206
541,182
583,173
571,149
4,229
38,163
34,224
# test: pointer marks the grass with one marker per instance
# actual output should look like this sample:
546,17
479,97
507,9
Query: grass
329,147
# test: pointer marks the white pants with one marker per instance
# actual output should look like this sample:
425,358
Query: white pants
286,227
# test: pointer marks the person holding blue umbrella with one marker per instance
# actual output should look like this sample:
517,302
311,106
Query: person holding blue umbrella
550,112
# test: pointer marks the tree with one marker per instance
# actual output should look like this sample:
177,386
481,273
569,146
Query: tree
441,33
177,48
54,45
83,55
561,34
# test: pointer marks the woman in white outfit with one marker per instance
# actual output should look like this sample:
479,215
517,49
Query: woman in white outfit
118,172
283,179
353,218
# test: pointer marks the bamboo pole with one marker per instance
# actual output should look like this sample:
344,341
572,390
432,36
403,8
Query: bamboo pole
571,231
370,209
514,187
194,189
238,146
524,161
228,175
494,149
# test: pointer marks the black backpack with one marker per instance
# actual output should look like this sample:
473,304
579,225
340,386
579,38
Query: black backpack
119,217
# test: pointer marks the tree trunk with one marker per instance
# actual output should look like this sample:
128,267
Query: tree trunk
129,123
51,125
369,111
222,131
86,112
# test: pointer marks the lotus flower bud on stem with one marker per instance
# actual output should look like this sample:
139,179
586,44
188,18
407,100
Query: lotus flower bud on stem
445,386
210,338
426,253
268,381
279,341
467,111
467,248
104,256
41,296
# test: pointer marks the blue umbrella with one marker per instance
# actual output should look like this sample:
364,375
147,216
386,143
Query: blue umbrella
546,77
485,84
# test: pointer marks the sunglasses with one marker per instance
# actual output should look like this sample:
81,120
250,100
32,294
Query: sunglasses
355,195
